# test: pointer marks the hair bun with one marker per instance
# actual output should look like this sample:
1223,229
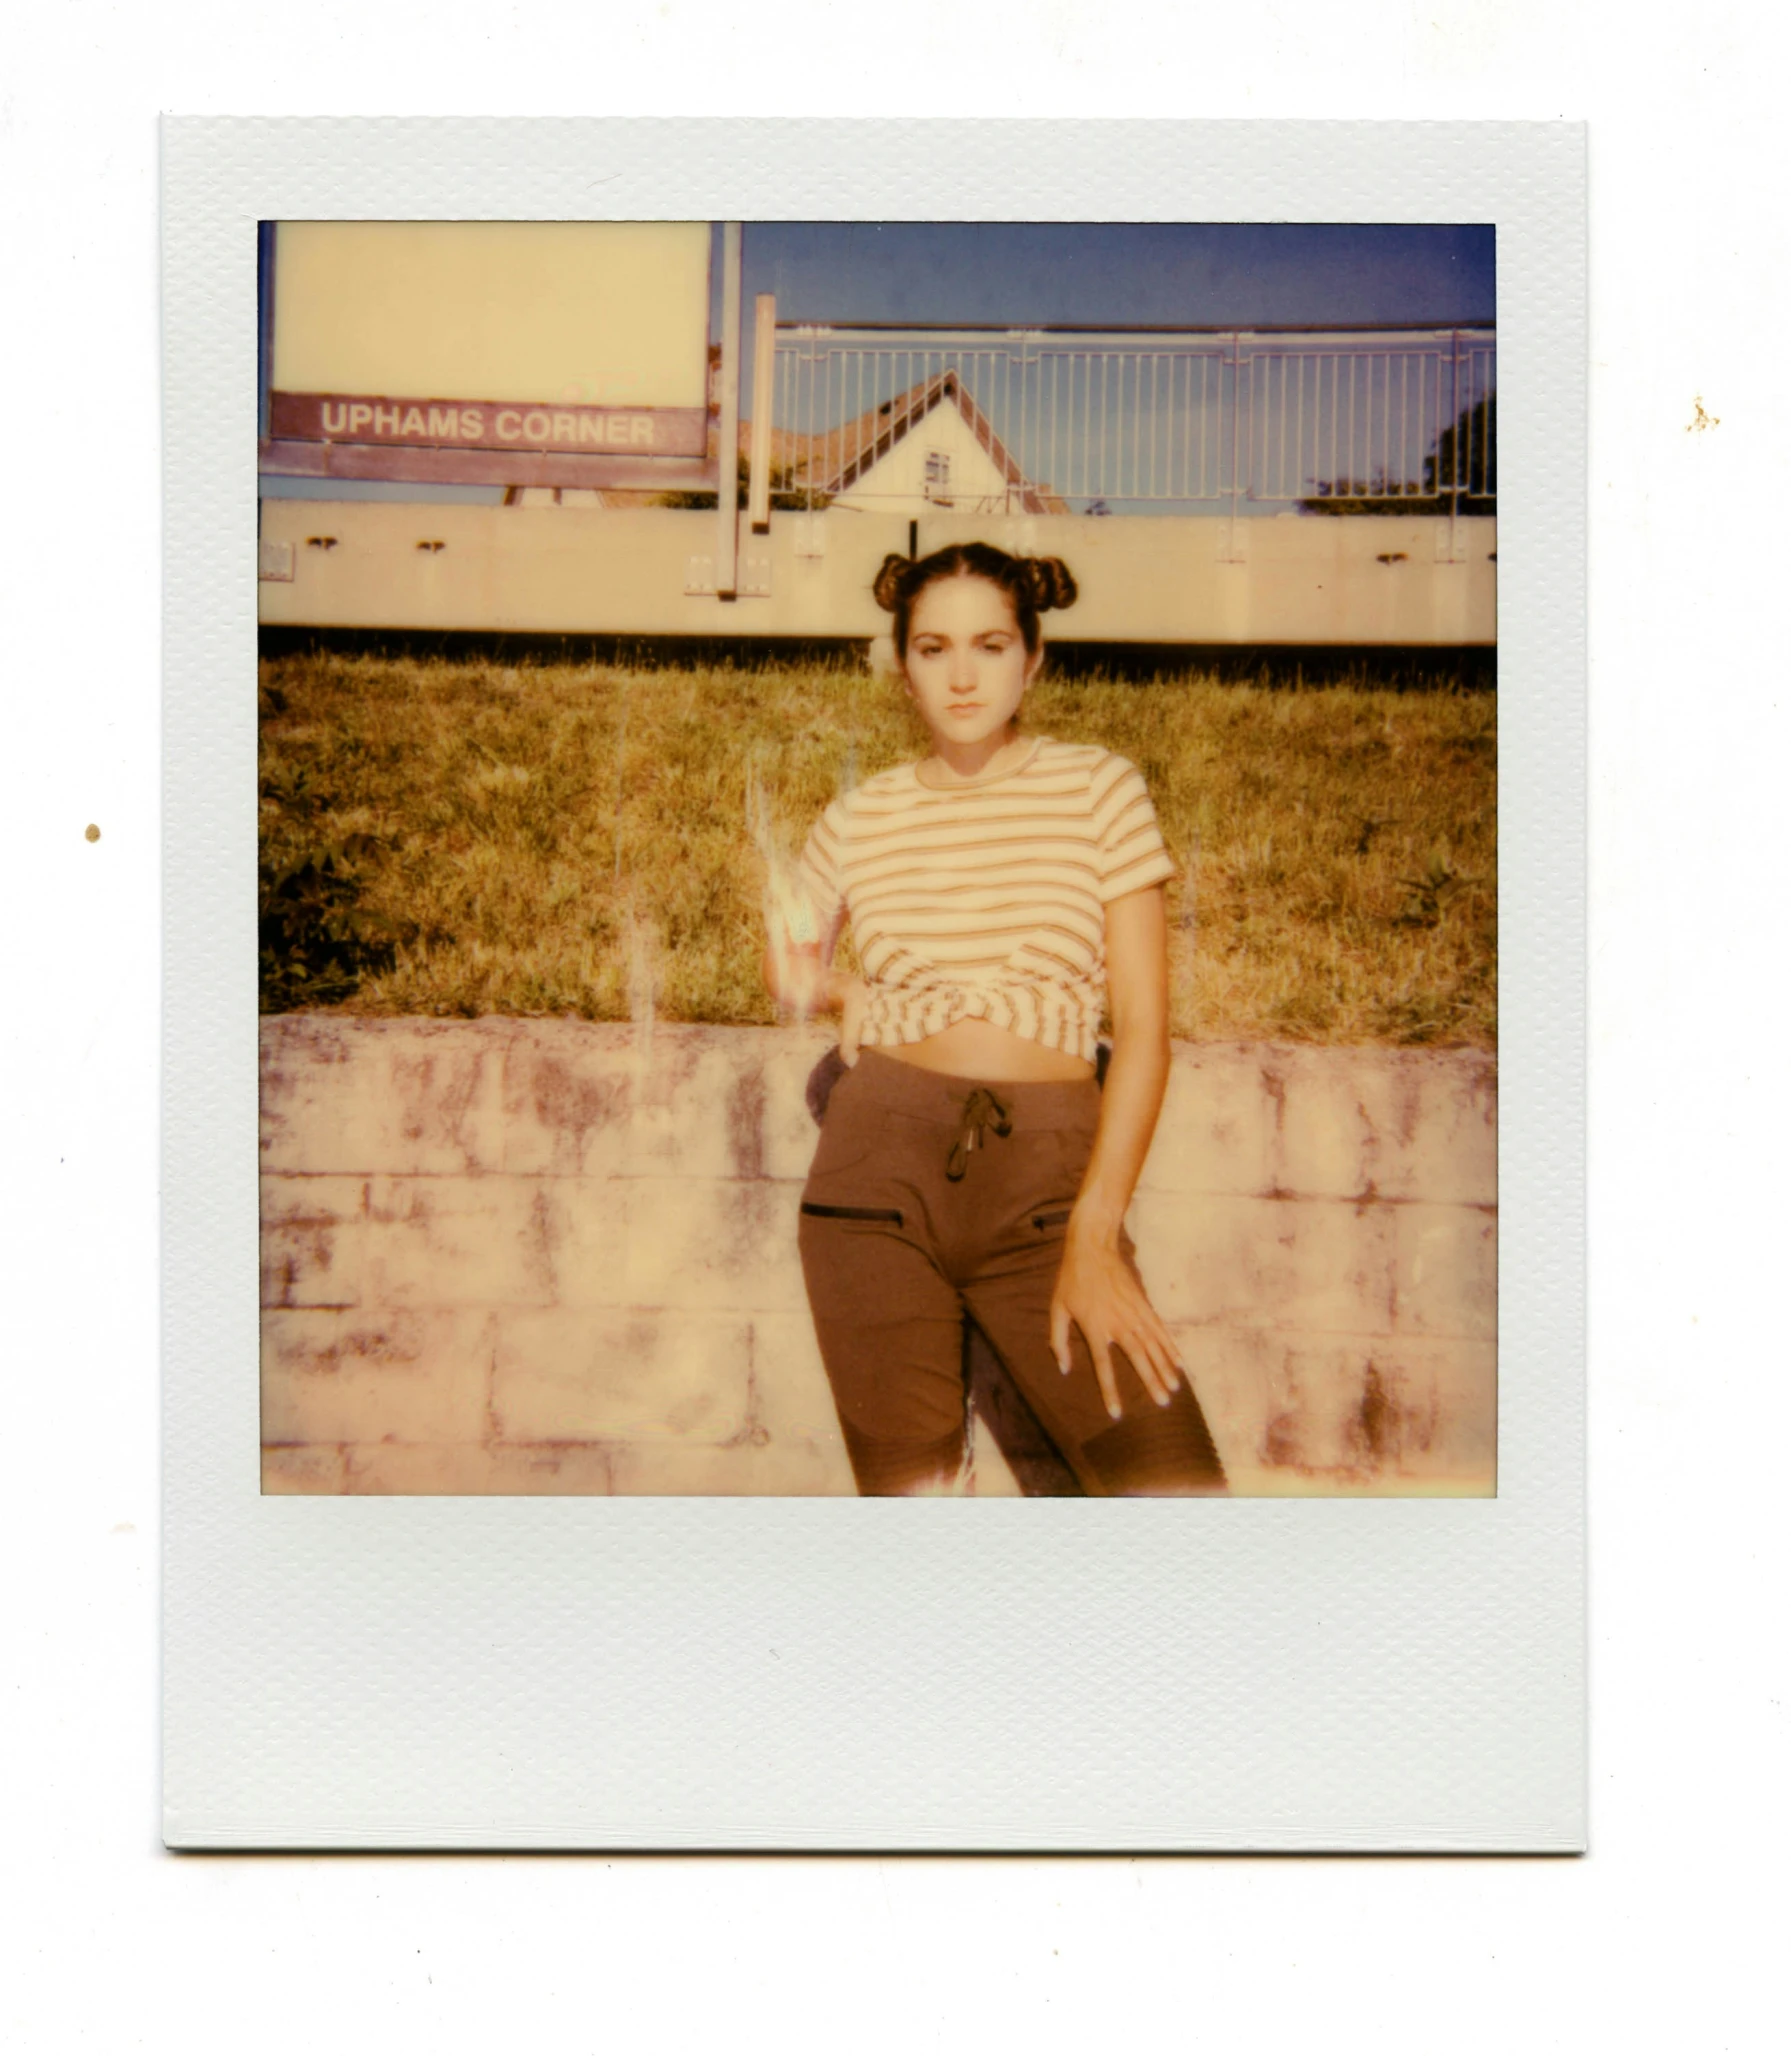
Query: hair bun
890,583
1051,582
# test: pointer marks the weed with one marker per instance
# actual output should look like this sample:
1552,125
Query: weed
1428,895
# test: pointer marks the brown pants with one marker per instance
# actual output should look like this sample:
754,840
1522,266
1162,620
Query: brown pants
932,1197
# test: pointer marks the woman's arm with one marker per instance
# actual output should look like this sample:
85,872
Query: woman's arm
1096,1288
803,980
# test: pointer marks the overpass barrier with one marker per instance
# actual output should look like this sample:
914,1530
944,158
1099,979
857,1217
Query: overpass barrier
1381,580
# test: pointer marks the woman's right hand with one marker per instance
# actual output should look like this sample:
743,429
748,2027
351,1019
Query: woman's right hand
801,982
797,978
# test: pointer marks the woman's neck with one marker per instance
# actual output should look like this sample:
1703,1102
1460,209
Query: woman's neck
954,763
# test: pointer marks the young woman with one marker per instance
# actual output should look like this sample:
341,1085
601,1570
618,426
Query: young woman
1000,893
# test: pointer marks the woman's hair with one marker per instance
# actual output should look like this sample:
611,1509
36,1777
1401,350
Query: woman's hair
1032,584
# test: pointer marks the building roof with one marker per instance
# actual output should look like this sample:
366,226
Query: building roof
829,461
842,455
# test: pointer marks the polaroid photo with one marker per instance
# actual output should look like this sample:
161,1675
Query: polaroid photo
887,875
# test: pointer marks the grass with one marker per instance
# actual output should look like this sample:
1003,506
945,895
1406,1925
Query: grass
461,837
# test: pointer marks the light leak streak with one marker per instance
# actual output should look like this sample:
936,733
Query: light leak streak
643,979
790,923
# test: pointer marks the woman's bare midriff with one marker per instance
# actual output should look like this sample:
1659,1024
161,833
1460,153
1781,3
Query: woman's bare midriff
978,1049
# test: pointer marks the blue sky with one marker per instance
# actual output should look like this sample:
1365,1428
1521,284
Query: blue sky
1118,274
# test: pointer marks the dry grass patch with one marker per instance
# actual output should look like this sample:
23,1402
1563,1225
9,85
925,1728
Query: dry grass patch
460,837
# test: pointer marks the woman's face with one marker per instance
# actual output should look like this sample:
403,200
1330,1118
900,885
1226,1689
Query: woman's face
968,667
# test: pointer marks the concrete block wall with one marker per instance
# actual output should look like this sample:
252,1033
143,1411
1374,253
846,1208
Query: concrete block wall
511,1256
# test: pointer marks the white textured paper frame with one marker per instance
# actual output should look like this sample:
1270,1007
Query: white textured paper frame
741,1673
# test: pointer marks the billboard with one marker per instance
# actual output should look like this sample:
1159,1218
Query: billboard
487,352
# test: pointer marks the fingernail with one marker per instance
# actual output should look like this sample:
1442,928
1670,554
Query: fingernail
1063,1367
1114,1411
1163,1399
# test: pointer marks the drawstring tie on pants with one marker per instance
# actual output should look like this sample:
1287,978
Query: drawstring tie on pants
981,1110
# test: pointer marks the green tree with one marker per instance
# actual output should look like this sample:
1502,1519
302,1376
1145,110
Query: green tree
1466,483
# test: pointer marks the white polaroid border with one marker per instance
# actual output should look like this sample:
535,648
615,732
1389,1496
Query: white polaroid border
737,1673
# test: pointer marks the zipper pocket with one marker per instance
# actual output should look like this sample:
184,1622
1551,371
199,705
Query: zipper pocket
1051,1220
852,1213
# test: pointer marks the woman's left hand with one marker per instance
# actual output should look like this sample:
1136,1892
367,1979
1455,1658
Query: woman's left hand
1098,1290
851,996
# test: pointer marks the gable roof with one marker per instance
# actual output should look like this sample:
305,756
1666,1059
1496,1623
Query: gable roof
829,460
849,451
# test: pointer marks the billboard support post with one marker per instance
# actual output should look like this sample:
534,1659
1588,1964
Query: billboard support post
727,455
764,362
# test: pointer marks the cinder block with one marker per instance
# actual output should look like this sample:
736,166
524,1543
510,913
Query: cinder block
568,1470
303,1469
699,1107
681,1100
317,1091
1319,1265
1334,1121
460,1242
680,1470
790,1129
635,1376
1448,1271
1216,1131
441,1470
568,1098
1229,1369
583,1228
1299,1413
712,1245
368,1377
792,1401
388,1096
788,1472
313,1234
1397,1124
1452,1156
728,1470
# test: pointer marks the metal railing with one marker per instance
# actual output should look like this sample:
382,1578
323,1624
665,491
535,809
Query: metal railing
1135,422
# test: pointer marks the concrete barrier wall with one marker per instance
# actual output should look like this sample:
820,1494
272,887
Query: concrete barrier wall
1319,580
507,1256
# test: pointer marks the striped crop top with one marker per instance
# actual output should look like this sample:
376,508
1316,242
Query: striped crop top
985,901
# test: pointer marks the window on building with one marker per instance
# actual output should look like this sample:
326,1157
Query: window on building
938,476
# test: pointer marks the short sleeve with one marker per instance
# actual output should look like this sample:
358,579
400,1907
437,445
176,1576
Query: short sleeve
818,870
1129,844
